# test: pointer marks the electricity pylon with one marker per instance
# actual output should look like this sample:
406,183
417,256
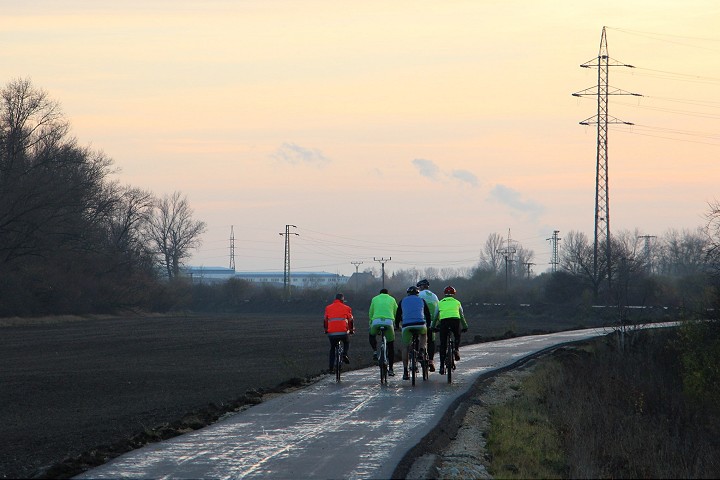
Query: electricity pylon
603,62
232,248
554,261
286,270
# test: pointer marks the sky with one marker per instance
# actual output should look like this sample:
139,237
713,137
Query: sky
404,130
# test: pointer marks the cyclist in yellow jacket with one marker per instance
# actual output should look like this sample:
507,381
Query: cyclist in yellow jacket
382,313
450,318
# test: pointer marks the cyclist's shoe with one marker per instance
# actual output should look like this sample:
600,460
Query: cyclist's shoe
431,366
391,372
442,369
346,359
406,376
457,355
375,356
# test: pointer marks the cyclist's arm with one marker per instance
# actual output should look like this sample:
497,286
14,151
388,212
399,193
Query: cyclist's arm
426,312
462,317
398,316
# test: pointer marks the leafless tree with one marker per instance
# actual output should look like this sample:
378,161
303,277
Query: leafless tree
576,254
173,233
51,190
490,257
684,252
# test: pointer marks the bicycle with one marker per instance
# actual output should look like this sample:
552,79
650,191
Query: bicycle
339,352
382,356
450,356
417,356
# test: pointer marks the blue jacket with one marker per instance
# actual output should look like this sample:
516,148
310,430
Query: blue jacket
412,311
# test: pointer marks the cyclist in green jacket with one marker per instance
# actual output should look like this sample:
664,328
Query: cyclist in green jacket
382,312
450,317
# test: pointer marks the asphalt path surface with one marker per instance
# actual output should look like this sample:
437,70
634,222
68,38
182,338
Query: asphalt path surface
352,429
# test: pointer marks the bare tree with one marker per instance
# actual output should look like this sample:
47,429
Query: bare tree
173,232
490,257
576,255
51,190
683,252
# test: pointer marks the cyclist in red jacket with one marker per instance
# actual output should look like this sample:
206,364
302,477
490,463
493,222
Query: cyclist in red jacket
338,324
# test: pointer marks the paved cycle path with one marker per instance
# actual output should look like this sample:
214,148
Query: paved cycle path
352,429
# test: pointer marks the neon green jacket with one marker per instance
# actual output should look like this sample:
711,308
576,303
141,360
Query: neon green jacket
450,307
382,306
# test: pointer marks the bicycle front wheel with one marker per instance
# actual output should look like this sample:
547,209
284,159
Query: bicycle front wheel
450,359
424,364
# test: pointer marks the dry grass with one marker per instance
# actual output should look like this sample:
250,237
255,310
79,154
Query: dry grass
599,412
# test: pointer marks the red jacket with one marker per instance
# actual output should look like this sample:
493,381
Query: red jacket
338,318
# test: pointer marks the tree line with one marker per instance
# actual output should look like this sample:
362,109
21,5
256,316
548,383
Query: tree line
72,239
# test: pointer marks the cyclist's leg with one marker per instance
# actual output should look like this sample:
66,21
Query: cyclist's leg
346,347
390,338
406,340
455,326
431,348
332,352
443,343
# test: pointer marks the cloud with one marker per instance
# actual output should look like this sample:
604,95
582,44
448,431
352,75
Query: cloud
295,155
465,176
511,198
427,168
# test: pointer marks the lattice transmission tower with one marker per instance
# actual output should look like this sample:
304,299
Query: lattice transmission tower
601,249
286,269
232,247
554,261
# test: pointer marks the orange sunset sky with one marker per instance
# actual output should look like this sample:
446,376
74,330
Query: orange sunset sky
403,129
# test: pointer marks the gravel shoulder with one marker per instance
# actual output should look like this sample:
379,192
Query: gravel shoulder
456,448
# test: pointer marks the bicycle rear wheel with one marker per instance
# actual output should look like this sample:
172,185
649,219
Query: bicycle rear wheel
383,362
413,362
450,358
339,350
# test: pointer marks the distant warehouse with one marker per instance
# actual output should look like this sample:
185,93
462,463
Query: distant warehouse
297,279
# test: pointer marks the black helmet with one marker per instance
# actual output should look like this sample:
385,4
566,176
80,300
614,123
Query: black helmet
412,290
423,283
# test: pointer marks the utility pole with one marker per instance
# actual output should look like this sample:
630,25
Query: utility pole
357,265
603,62
648,259
382,263
286,269
554,244
528,265
507,254
232,248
